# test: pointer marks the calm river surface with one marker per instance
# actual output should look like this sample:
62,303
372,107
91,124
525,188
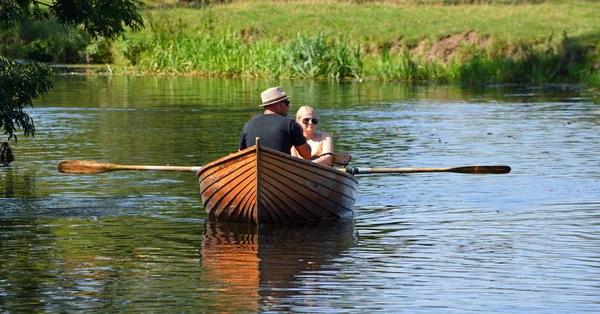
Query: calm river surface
127,241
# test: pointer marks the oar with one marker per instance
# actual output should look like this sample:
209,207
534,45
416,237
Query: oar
466,169
90,166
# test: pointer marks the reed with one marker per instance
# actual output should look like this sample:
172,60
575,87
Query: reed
167,50
322,57
317,56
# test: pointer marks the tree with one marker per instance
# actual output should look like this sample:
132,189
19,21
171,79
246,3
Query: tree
20,83
19,86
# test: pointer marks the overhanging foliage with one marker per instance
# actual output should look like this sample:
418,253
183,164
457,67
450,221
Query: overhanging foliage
20,84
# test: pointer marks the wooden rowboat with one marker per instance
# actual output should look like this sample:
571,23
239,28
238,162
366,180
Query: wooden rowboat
260,185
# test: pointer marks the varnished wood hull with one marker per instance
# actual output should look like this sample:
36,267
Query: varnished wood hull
260,185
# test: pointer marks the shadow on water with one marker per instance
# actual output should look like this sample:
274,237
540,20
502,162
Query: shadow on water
257,269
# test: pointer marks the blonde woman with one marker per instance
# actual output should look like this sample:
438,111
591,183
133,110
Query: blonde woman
321,144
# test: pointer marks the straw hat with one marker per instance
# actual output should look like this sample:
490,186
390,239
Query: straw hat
273,95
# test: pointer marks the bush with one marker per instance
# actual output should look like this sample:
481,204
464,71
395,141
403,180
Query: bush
47,41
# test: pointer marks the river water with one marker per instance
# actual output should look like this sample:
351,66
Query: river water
128,241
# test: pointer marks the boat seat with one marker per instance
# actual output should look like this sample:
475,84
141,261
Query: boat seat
341,159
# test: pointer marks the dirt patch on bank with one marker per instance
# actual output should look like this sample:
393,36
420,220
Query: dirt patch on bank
447,47
443,49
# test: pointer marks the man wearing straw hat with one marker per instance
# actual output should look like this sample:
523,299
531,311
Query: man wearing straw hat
275,129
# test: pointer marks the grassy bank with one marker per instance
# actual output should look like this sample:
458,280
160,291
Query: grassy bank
549,42
373,24
477,41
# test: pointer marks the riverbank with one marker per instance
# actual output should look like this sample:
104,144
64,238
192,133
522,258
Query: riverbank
551,42
523,42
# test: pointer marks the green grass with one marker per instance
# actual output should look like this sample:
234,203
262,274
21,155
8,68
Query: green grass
374,24
553,41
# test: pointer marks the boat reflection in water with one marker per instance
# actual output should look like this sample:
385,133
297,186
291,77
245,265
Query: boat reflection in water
254,267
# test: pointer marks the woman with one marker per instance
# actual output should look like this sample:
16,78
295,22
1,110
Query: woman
321,144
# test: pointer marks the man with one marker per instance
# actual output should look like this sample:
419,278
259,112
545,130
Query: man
275,129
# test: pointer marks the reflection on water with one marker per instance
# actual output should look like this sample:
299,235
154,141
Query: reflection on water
15,184
231,262
260,268
139,241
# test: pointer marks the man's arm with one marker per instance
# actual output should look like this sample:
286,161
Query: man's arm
242,144
326,157
304,150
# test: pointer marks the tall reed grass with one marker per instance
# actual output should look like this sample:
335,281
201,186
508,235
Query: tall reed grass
319,56
168,50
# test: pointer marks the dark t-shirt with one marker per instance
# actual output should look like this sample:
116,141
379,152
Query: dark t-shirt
275,131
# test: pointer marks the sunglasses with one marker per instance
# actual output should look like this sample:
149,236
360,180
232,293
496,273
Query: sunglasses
286,102
314,120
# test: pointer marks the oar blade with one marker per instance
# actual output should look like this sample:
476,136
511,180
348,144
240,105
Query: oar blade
84,166
482,169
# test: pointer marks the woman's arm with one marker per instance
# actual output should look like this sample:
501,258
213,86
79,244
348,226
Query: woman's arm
326,157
